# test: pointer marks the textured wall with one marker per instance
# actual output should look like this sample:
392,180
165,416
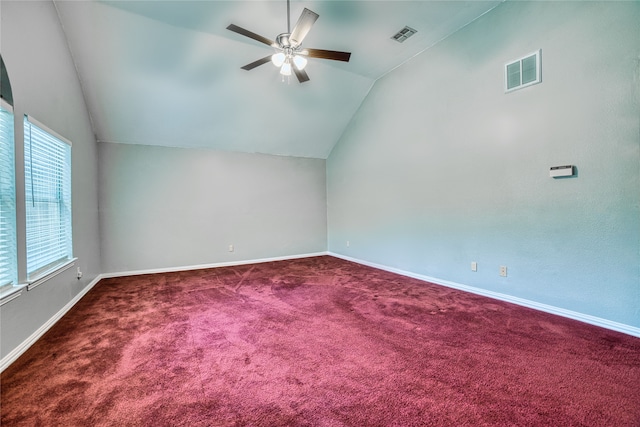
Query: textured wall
45,86
171,207
440,167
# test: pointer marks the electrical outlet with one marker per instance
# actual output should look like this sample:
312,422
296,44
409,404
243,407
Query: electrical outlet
230,248
79,274
503,270
474,266
348,243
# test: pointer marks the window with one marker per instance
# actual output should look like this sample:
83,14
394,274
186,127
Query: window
8,251
523,72
47,159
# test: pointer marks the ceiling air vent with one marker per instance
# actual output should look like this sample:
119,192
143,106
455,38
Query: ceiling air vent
403,34
523,72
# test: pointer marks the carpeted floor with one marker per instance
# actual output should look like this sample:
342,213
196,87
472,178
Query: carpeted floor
316,342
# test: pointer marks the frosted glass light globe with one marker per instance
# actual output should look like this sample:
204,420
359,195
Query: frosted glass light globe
278,59
300,62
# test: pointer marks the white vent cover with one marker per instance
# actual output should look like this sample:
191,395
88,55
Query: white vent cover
403,34
523,72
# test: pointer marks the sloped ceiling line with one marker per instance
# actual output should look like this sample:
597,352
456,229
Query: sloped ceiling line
83,89
168,73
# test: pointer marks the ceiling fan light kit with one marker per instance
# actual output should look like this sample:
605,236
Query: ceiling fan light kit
284,59
290,55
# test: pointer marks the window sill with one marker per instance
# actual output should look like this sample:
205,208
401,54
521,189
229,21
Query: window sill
46,275
12,292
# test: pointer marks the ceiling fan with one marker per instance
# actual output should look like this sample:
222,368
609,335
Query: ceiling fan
290,55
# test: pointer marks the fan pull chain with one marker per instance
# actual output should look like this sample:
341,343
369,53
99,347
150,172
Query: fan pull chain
288,79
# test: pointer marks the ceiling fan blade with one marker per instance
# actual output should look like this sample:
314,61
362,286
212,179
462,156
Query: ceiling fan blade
304,24
257,63
251,35
301,75
327,54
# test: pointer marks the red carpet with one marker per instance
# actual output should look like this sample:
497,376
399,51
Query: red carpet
316,342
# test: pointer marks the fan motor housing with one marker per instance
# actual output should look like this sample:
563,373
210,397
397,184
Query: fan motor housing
283,40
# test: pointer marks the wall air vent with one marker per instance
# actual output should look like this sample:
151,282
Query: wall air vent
403,34
523,72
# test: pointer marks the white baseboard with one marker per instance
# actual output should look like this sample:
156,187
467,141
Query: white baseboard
24,346
205,266
604,323
586,318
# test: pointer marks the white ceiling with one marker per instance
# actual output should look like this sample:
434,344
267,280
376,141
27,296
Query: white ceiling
168,72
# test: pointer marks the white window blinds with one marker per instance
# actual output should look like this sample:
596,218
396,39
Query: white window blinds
48,199
8,261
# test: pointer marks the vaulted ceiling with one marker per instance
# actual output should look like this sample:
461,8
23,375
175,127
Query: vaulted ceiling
168,72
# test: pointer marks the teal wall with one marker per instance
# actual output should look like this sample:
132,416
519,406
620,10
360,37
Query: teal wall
440,167
163,208
45,86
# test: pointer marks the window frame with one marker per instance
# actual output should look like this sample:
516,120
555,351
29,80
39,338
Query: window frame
9,170
59,197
